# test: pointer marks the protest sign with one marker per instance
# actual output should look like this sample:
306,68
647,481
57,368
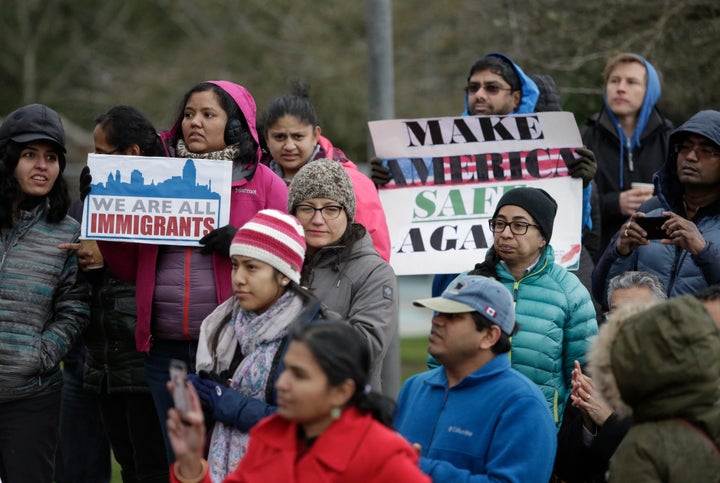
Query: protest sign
165,201
449,173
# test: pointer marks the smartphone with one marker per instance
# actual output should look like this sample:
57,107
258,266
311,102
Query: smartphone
652,225
178,376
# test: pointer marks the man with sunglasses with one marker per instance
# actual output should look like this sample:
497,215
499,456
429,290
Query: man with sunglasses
687,257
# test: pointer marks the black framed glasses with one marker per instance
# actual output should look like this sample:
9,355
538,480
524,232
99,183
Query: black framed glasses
516,227
701,150
490,89
306,212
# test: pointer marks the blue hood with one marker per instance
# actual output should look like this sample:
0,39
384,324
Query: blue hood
704,123
530,90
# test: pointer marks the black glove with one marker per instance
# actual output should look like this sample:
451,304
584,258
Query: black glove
85,180
583,167
218,240
379,173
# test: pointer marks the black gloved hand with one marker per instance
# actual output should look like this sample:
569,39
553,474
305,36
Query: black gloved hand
584,166
379,173
218,240
85,180
214,377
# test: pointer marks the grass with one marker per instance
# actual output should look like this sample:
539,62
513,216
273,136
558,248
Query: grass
413,351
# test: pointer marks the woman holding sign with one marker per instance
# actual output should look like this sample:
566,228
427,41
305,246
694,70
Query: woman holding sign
177,287
43,306
554,311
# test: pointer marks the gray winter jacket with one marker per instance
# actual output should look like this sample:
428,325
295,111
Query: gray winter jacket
43,306
359,286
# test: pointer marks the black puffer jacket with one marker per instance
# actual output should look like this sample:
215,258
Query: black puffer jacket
112,363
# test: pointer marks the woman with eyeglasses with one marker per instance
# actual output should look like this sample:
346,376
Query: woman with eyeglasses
553,309
341,266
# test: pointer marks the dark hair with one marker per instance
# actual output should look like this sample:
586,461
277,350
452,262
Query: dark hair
710,293
503,344
58,198
125,126
343,354
236,128
497,65
296,104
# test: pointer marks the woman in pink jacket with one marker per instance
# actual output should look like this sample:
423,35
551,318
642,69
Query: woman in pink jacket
329,427
177,287
293,136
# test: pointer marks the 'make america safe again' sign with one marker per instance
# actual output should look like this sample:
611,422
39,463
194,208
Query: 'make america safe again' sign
448,175
165,201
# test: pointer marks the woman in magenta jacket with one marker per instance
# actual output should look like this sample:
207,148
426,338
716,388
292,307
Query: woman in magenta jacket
177,287
329,426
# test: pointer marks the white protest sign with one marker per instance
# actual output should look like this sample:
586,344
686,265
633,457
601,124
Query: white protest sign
165,201
449,174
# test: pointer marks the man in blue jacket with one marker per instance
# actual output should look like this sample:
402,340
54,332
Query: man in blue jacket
475,416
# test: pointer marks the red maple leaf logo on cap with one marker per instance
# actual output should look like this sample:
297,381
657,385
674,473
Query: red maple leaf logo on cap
490,311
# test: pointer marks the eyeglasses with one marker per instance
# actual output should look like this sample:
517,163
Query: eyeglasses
307,212
701,150
516,227
490,89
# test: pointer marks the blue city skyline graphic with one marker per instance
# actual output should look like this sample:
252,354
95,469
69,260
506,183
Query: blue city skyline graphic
184,186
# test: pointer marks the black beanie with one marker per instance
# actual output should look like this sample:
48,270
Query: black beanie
535,201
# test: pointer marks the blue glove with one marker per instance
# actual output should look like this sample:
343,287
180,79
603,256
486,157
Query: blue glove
209,391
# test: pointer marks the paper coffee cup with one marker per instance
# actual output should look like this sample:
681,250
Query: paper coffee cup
97,258
647,186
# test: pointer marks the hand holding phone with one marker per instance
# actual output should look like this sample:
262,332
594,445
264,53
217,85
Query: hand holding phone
178,376
653,226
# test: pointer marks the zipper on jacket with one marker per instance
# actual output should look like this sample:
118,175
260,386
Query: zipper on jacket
442,407
631,164
673,270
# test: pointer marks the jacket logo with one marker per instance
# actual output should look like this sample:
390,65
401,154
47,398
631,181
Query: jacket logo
460,431
387,292
243,190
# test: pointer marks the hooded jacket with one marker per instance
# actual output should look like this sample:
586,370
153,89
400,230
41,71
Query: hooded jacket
361,288
661,365
622,160
261,189
680,271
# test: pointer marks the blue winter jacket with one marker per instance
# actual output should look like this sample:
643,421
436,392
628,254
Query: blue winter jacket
682,272
492,426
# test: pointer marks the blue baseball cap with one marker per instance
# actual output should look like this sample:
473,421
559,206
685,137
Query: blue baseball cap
475,293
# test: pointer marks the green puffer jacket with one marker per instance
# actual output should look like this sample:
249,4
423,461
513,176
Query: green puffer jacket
557,321
43,306
661,365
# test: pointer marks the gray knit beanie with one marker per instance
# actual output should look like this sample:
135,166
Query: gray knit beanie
323,178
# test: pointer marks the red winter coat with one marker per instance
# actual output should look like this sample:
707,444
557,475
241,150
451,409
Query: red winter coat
355,448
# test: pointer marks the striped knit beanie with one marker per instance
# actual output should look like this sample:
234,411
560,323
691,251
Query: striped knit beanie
274,238
323,178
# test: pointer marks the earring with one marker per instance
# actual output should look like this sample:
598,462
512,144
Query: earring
284,282
335,413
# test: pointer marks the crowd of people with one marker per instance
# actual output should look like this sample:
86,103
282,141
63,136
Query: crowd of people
283,317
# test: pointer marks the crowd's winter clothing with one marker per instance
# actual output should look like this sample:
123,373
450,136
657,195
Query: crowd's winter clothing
661,366
680,271
557,320
353,281
492,424
622,160
353,449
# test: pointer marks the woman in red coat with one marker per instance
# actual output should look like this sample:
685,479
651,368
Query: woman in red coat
329,425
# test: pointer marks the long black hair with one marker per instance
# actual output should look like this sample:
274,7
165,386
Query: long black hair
58,198
342,354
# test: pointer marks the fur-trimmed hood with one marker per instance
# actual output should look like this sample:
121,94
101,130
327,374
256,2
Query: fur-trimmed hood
660,363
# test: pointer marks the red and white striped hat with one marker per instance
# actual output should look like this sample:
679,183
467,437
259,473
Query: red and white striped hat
275,238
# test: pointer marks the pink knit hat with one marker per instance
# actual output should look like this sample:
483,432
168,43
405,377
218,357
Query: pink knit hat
275,238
